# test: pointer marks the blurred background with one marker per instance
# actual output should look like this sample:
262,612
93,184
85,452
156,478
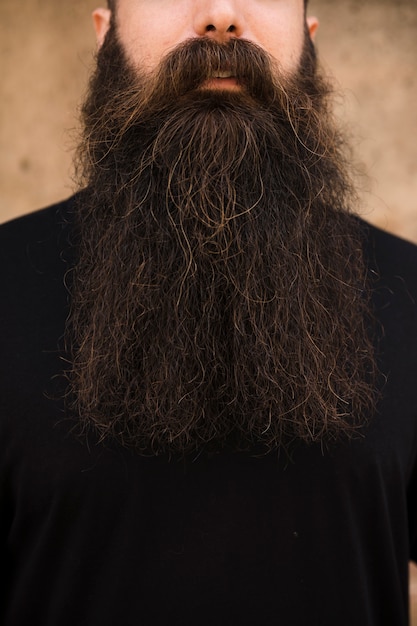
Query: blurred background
370,47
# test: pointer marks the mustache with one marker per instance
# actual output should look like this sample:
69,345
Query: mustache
192,63
197,60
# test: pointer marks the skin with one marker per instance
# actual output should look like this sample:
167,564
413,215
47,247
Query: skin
149,29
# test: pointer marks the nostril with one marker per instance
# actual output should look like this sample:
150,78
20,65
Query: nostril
212,28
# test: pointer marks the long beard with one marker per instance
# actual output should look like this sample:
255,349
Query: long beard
219,295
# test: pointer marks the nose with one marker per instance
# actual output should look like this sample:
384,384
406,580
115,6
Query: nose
218,19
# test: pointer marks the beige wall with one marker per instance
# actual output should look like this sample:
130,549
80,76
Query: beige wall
370,46
46,48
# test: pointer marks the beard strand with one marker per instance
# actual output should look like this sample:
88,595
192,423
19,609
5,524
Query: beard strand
219,295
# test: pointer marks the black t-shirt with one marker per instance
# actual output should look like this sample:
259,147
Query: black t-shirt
97,535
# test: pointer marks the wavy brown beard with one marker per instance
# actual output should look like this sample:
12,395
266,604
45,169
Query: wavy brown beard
219,292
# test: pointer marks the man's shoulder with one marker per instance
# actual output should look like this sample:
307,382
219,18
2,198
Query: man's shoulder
33,226
390,254
35,255
392,270
29,241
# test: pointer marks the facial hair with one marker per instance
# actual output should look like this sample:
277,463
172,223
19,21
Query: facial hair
219,295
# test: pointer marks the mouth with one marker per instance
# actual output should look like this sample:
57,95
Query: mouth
225,80
222,75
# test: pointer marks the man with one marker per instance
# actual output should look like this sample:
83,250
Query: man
208,411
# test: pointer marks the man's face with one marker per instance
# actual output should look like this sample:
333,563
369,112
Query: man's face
149,29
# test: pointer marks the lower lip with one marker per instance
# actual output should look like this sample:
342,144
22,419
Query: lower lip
222,83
